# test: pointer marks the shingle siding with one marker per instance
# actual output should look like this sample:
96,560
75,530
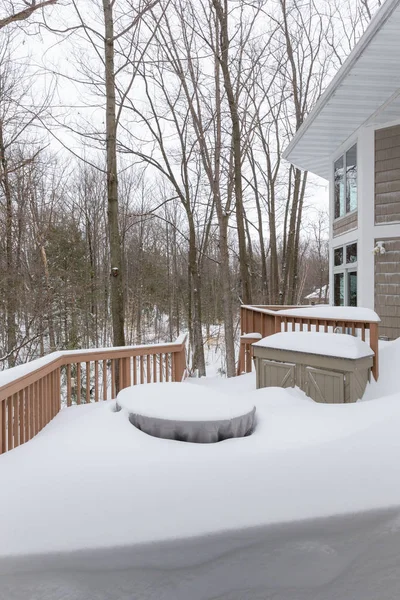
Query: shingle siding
344,224
387,288
387,175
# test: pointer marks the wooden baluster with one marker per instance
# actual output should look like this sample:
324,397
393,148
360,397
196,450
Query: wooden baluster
87,382
3,426
16,419
134,370
104,380
39,401
141,370
57,386
127,369
96,380
353,328
166,367
154,368
38,387
148,369
50,400
10,422
69,395
28,434
57,395
242,357
47,406
45,401
31,411
173,367
78,383
161,368
52,403
21,401
113,382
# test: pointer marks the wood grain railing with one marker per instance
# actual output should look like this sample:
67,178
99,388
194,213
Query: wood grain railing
259,320
267,321
32,394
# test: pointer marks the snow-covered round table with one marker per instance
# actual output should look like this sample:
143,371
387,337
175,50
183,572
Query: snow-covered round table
187,412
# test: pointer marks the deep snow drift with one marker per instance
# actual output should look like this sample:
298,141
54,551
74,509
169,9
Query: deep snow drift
307,508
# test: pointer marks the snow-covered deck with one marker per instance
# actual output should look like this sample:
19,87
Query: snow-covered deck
307,508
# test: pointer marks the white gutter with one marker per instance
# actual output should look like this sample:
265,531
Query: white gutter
377,21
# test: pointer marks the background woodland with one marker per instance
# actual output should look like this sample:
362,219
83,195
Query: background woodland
142,189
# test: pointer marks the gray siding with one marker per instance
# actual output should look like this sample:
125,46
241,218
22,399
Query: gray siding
387,288
387,175
344,224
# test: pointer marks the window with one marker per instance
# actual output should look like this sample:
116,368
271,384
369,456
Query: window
338,257
345,275
345,179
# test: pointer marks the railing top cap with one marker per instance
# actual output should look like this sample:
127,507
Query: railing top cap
342,313
339,313
21,371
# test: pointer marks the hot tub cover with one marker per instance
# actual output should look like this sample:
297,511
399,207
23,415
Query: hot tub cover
184,412
340,345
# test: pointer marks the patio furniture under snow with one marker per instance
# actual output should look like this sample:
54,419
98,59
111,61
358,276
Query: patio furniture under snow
187,413
328,367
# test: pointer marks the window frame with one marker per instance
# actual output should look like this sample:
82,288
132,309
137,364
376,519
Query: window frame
345,268
343,156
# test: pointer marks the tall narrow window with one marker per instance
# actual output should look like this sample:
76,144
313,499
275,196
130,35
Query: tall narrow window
351,179
352,288
345,181
338,285
339,188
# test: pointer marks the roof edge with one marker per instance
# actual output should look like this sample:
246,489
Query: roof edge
376,23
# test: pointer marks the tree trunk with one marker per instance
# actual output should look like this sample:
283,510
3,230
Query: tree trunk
10,292
222,15
117,289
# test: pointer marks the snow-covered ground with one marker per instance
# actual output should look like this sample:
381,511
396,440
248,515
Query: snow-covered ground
307,508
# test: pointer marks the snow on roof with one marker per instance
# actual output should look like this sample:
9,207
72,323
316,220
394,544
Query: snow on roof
365,87
351,313
339,345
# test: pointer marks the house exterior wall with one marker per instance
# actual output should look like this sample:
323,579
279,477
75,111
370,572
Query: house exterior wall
387,175
387,288
378,277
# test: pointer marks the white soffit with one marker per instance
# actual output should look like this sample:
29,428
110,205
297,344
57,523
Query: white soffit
366,81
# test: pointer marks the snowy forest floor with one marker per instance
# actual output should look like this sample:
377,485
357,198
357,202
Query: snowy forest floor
306,508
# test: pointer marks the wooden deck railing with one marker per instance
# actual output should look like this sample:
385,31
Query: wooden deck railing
32,394
267,321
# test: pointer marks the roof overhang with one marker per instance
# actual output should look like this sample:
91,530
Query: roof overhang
366,89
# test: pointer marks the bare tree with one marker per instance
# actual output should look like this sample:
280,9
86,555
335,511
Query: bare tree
25,13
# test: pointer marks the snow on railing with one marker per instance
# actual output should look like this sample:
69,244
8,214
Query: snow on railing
267,320
32,394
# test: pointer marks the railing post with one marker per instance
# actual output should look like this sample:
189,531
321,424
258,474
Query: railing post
374,343
277,324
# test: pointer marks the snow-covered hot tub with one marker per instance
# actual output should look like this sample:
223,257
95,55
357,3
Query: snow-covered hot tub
187,413
328,367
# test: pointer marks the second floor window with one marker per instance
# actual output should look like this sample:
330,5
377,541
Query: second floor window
345,175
